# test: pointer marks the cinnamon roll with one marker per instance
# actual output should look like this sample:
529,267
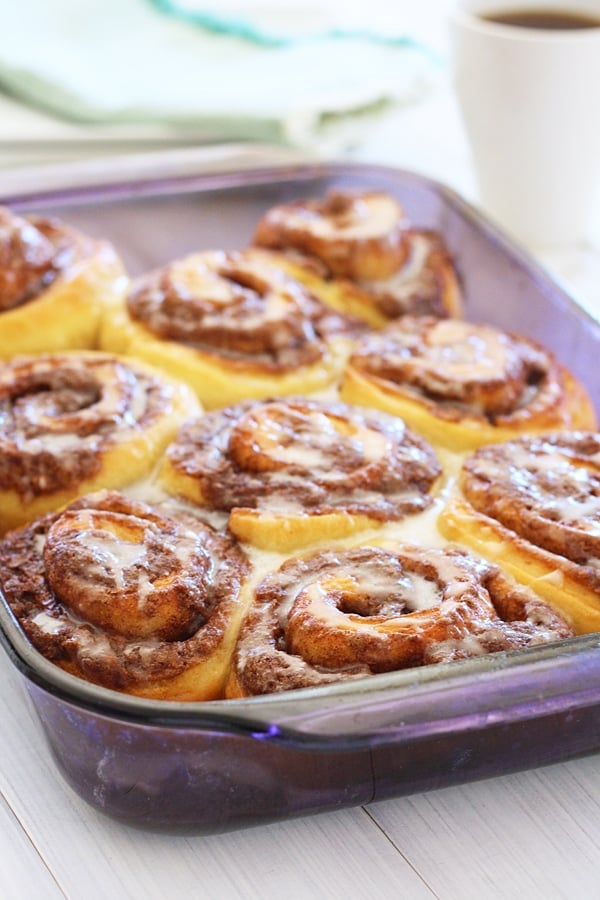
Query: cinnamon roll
136,598
533,505
462,385
359,253
232,327
77,421
293,471
334,616
53,283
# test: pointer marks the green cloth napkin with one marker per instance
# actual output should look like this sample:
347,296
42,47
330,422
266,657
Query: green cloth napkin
232,77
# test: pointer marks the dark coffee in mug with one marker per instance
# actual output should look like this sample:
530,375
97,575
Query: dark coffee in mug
549,19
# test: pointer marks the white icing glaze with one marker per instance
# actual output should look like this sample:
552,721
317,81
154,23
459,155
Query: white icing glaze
195,276
47,624
579,506
93,645
52,442
112,555
39,543
138,403
402,281
470,645
422,592
212,279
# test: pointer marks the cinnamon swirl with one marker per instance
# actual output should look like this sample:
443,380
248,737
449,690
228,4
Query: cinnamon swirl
76,421
232,327
533,505
53,283
334,616
293,471
132,597
462,385
359,253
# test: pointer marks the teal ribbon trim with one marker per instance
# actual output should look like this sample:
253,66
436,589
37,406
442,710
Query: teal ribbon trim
245,30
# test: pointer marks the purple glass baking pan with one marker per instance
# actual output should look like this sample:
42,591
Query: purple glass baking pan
210,767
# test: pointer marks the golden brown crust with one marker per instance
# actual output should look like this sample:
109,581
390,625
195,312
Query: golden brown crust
76,421
287,469
533,505
359,253
462,384
335,616
53,283
141,599
232,326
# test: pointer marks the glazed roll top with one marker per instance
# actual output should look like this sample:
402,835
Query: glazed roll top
73,420
376,263
532,505
290,472
360,237
546,489
462,367
133,597
232,326
308,454
466,383
55,282
235,307
338,615
33,253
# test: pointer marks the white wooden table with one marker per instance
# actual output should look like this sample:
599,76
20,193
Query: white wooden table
535,834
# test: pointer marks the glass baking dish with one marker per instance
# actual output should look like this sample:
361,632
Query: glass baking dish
208,767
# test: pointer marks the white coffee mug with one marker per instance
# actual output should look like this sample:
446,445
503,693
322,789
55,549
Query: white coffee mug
530,99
